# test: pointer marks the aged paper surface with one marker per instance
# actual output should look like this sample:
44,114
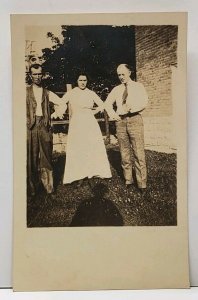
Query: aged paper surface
145,244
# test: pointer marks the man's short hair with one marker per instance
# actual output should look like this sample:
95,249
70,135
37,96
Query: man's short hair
126,66
35,66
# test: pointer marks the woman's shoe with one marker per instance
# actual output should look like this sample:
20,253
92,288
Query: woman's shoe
80,183
91,183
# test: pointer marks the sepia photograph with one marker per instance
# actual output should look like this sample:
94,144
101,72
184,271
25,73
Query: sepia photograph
100,168
101,147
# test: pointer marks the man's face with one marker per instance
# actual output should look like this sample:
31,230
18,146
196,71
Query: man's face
82,82
36,75
123,74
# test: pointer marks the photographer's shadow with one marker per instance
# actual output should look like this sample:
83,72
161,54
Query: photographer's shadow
97,211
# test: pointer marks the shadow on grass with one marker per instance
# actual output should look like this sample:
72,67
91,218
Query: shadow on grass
97,211
110,204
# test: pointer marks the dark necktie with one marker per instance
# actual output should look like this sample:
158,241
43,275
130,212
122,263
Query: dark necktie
125,95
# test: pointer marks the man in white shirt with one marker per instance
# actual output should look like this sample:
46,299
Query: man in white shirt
131,99
39,135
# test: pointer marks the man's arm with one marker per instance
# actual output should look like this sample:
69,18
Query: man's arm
54,98
109,106
60,104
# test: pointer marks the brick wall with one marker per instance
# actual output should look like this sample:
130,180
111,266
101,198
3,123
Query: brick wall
156,53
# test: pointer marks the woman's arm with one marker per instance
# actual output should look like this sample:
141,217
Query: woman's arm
70,111
99,103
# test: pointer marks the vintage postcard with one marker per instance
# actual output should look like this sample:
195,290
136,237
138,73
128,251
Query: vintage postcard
100,166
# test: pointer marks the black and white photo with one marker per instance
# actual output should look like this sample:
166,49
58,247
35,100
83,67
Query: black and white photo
100,161
110,116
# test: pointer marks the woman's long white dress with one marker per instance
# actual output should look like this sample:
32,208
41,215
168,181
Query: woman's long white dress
85,152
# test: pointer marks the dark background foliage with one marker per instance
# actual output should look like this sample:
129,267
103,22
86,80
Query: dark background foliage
94,50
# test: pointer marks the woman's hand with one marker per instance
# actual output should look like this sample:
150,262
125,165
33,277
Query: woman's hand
96,110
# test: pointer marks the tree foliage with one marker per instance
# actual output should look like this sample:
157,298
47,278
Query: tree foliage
94,50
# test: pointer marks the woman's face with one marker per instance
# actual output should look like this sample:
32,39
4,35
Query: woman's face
82,82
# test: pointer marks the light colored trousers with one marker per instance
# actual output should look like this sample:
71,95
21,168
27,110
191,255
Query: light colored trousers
130,133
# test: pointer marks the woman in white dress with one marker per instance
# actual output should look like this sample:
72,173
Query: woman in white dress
86,155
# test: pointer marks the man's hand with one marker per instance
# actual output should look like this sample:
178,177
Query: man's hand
58,112
114,118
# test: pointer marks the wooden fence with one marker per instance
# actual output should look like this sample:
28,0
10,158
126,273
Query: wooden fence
101,117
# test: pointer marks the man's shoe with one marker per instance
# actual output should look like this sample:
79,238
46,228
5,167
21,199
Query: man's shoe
142,191
129,185
31,193
49,200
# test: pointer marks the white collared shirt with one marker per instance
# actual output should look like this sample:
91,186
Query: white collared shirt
38,94
136,100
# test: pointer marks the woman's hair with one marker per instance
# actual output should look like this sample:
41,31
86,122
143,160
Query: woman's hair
81,74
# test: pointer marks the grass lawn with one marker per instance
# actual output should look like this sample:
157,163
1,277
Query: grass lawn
108,202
